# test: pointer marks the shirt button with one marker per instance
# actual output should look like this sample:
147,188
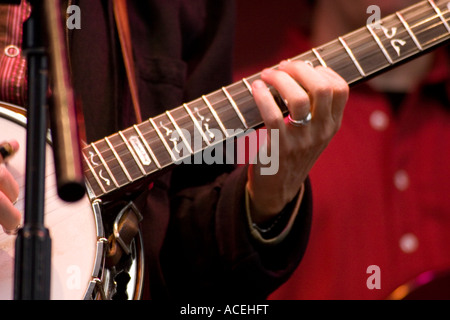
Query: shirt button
401,180
379,120
12,51
409,243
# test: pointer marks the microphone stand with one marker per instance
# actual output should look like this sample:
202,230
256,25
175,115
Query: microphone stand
42,31
33,242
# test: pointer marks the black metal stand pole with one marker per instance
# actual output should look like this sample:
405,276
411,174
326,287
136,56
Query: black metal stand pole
33,243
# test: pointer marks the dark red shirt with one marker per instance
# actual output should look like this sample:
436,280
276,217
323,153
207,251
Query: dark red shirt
12,62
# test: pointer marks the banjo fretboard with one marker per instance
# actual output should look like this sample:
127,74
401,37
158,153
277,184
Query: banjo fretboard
123,158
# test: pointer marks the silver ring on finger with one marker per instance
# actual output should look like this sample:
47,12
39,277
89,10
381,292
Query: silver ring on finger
302,122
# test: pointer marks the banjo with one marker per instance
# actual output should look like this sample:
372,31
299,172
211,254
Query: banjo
116,162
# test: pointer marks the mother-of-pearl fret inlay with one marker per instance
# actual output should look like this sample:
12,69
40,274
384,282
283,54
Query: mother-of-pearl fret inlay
164,140
203,121
101,173
94,174
91,156
395,43
147,147
211,135
181,134
174,139
139,149
133,154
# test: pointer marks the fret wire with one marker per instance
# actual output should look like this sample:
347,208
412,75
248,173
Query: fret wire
215,115
319,57
161,137
249,87
439,13
91,169
352,56
105,165
194,120
411,33
147,146
138,162
122,165
183,138
235,107
380,44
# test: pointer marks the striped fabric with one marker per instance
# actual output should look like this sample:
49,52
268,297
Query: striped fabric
12,63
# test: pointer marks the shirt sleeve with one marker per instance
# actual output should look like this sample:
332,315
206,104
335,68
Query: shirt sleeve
211,252
280,226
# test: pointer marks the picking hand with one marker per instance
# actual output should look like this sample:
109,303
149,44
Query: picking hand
10,217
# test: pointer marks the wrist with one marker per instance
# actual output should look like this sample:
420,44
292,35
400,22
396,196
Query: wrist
266,204
276,228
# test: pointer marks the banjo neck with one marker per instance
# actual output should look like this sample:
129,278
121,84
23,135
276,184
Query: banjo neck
147,148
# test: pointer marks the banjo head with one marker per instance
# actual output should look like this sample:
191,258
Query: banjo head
75,228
